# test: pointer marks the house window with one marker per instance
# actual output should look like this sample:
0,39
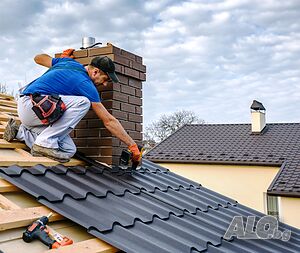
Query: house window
272,206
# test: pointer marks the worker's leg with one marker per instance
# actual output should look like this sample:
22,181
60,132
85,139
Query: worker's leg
31,126
57,135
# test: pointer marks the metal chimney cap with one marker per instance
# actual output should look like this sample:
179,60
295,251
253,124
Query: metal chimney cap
257,106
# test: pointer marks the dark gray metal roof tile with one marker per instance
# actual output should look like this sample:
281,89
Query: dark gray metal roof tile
145,211
235,144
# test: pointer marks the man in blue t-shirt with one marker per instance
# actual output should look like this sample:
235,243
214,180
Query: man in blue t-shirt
75,84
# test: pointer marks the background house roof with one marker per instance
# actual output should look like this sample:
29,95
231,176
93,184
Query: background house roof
277,145
149,210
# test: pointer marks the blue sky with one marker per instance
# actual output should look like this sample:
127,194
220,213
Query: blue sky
208,56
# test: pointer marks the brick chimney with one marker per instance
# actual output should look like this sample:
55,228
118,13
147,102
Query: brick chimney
122,100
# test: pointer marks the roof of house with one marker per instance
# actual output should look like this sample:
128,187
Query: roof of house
278,145
148,210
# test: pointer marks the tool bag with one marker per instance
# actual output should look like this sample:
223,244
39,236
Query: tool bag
48,108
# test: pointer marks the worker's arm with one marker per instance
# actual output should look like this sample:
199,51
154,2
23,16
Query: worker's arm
44,60
112,124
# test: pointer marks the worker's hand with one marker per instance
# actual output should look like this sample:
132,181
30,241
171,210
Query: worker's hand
136,153
68,53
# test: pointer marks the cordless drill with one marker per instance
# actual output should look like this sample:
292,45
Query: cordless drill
126,156
37,230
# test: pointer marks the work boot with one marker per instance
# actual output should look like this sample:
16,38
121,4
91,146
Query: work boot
11,130
53,153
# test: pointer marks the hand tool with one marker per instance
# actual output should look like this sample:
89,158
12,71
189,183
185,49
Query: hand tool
48,236
126,156
37,230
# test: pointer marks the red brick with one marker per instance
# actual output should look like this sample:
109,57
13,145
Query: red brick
128,54
80,53
138,127
89,150
138,93
85,60
135,118
90,115
120,115
128,125
111,104
127,108
127,90
80,142
105,133
82,124
106,151
138,110
132,72
123,79
138,66
135,83
138,59
100,51
119,68
123,61
135,100
115,96
142,76
87,132
95,123
135,135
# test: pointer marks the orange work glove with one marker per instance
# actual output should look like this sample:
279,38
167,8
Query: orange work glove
68,53
136,153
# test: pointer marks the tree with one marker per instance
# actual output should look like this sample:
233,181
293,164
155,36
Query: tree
4,89
167,124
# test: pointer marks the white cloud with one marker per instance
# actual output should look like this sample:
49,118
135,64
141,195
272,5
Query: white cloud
210,56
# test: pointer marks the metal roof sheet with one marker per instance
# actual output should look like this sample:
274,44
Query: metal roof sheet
278,145
148,210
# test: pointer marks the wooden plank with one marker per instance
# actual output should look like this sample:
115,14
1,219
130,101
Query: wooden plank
87,246
20,157
8,103
5,117
11,145
7,187
8,109
5,96
23,217
6,204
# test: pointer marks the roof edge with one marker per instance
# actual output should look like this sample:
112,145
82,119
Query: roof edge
271,164
276,177
284,194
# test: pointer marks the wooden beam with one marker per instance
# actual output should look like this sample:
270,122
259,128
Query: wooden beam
87,246
20,157
11,145
5,117
7,187
8,109
5,96
6,204
24,217
8,103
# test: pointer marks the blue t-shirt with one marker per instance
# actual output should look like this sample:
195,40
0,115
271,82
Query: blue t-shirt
66,77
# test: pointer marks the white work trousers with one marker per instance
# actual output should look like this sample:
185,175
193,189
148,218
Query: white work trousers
32,131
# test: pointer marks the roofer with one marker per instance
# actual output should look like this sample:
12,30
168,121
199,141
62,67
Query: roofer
47,119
